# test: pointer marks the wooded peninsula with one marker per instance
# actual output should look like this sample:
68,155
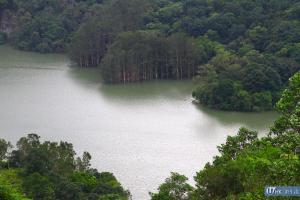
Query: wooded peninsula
240,53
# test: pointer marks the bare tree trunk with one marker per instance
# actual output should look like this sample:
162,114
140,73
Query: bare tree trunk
177,65
124,74
167,68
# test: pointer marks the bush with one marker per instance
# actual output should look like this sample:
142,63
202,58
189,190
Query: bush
10,185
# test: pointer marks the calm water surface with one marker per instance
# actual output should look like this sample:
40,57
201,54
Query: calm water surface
140,132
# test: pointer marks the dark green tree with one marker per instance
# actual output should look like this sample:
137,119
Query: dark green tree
174,188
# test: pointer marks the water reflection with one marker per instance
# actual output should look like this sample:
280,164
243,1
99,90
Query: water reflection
85,76
247,119
151,89
168,90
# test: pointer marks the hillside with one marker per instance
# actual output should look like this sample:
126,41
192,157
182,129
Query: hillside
241,53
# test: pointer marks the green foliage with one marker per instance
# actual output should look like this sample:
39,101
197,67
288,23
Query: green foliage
227,95
244,84
226,21
43,34
89,53
262,101
255,167
47,26
83,164
50,171
10,185
90,42
289,107
86,180
174,188
236,144
38,187
4,148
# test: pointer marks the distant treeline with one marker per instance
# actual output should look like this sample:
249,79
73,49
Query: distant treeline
139,56
241,53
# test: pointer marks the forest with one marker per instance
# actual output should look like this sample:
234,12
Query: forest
240,53
51,171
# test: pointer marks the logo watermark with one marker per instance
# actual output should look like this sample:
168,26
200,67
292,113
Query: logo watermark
284,191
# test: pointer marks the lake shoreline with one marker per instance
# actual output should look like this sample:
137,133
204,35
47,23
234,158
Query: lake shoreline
123,127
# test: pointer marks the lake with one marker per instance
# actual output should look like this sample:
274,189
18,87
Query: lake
140,132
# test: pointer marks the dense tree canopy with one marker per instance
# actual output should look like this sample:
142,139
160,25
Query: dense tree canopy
175,188
51,171
45,26
248,83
